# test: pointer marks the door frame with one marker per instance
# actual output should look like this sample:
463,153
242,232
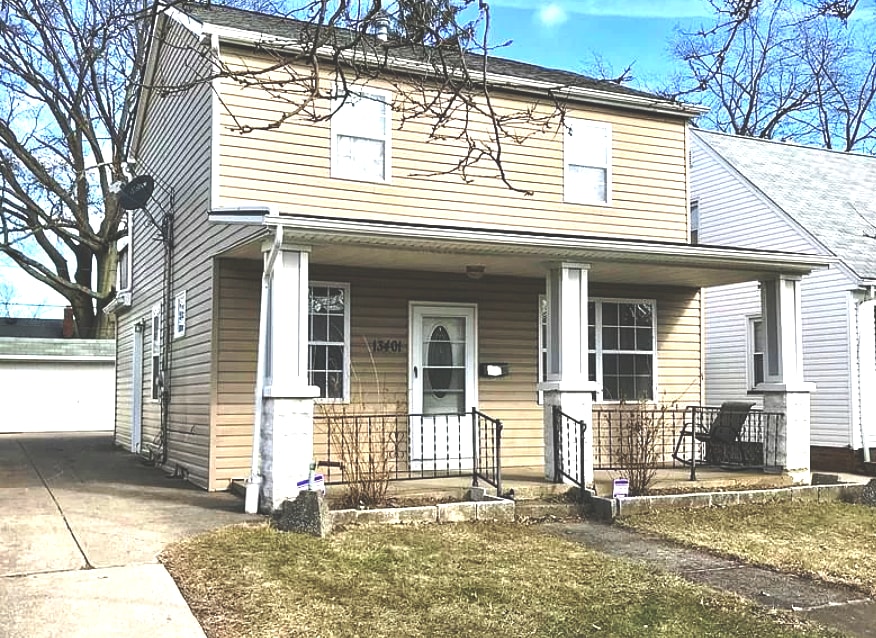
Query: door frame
137,389
449,309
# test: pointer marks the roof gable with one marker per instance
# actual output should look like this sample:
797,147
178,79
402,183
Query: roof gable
828,193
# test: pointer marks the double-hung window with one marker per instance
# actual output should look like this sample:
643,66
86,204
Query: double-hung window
587,158
623,355
755,351
329,340
361,135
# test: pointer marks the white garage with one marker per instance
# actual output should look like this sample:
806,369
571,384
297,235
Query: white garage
56,385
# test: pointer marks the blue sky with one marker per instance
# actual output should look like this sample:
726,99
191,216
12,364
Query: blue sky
568,34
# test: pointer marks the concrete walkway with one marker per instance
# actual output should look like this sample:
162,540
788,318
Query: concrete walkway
81,524
835,606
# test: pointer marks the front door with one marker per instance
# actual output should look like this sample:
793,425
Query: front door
443,386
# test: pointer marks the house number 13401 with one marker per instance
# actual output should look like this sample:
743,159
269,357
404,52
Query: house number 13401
387,345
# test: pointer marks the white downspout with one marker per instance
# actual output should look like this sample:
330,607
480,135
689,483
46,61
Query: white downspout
865,344
254,482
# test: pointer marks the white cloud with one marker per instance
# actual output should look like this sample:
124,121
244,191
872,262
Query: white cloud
623,8
551,15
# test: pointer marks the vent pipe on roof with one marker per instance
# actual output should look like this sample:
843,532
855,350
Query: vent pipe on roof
381,26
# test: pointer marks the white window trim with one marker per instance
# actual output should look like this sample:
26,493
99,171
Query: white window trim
340,127
155,350
596,347
542,343
568,157
749,352
348,381
179,302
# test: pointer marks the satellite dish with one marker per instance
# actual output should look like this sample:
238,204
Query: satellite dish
137,192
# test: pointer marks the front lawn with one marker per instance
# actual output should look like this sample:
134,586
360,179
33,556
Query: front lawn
832,541
445,580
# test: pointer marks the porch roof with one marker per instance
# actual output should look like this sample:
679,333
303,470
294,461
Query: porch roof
357,243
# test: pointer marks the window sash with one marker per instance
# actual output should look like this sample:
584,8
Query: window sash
328,354
755,351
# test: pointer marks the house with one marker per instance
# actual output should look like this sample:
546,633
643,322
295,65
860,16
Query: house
305,285
39,357
778,196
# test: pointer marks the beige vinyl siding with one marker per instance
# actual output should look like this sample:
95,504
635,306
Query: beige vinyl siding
236,310
124,381
507,310
290,166
175,148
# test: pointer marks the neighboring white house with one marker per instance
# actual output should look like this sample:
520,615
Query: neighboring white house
50,382
763,194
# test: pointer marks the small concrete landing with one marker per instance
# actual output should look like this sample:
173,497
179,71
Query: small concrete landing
836,606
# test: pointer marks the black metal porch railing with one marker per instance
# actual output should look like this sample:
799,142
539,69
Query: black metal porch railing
568,444
743,439
664,437
401,447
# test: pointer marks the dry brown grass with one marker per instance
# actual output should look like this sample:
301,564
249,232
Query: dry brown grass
832,541
447,580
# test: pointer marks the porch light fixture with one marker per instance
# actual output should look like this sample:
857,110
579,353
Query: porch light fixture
475,271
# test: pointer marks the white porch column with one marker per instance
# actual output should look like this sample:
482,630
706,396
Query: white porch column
286,446
786,444
568,386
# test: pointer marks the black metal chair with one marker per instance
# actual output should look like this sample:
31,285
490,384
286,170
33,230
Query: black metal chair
725,431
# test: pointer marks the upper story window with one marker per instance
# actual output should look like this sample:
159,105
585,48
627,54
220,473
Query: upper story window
329,340
623,355
361,136
694,220
587,157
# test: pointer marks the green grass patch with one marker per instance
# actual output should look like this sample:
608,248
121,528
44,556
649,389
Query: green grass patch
833,541
445,580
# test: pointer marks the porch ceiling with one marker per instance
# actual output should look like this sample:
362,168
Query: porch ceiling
357,244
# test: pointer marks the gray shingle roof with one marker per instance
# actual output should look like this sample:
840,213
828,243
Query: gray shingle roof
32,328
829,193
282,27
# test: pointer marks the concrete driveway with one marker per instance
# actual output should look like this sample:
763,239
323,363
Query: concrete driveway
81,525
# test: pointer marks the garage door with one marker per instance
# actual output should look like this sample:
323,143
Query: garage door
56,396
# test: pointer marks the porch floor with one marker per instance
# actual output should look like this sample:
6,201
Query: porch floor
530,483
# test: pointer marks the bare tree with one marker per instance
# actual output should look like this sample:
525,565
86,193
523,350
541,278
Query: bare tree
445,50
783,69
70,73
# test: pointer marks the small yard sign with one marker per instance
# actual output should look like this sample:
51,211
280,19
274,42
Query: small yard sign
621,488
317,484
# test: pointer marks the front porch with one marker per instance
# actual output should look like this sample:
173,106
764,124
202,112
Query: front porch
349,328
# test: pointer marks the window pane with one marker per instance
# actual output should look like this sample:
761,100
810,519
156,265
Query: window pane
334,357
757,328
361,158
591,365
334,385
586,183
318,379
644,339
609,314
336,328
758,369
318,328
609,338
627,338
